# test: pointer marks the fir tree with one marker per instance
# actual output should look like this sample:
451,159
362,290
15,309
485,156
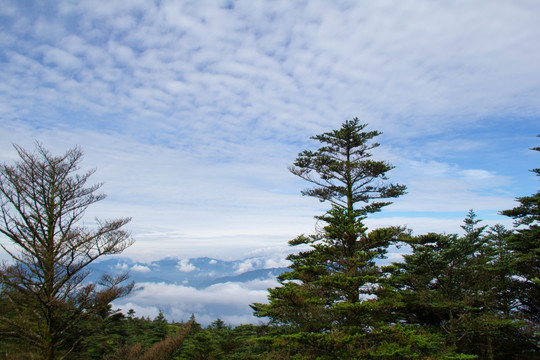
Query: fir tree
329,285
459,287
525,243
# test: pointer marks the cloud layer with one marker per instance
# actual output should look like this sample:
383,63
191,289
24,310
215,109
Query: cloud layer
228,301
191,111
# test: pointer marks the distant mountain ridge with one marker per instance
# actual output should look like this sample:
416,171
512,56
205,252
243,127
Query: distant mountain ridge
198,273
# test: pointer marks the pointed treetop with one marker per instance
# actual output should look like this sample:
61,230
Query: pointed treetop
342,171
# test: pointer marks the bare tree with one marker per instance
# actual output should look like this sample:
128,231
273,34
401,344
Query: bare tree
44,294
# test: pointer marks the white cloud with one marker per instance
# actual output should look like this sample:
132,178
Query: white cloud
61,58
185,266
140,268
425,224
221,54
122,266
276,262
265,258
230,301
247,265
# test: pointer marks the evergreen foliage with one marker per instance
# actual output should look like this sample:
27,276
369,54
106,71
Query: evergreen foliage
342,171
525,243
332,286
457,287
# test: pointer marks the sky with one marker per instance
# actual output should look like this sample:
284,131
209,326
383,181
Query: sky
191,111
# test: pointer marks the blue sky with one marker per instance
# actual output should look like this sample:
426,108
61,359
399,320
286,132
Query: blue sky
191,111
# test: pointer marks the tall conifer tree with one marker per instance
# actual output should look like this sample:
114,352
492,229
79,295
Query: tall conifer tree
329,285
461,288
525,243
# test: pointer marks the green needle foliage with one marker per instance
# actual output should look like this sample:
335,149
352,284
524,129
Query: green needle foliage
525,243
343,172
461,289
331,286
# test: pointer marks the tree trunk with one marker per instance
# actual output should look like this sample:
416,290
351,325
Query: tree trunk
47,347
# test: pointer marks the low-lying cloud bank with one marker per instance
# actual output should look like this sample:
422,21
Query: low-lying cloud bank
227,301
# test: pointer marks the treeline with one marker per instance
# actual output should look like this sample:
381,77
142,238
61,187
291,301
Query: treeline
475,296
470,296
113,335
